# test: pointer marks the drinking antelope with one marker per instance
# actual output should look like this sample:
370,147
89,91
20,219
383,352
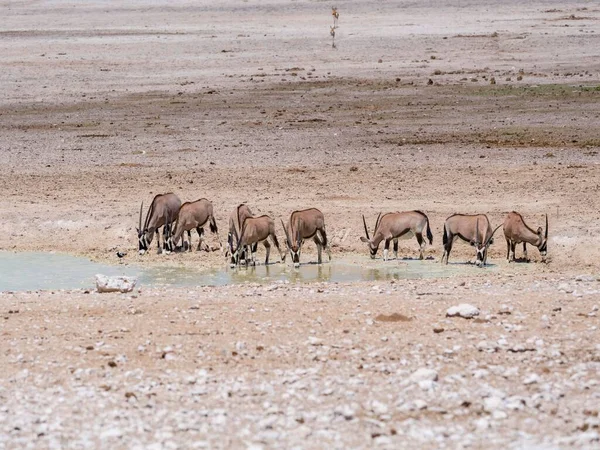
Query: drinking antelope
305,224
193,215
255,230
517,231
236,221
474,229
163,207
396,225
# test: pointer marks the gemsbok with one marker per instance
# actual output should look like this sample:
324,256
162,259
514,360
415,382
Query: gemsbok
164,207
517,231
255,230
474,229
193,215
306,224
236,221
394,226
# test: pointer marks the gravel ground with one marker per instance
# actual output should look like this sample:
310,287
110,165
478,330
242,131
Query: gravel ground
475,108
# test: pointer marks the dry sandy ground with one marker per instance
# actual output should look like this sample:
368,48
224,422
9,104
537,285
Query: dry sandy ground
483,107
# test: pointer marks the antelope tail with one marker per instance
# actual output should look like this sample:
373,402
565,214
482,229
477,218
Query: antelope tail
445,237
213,225
429,235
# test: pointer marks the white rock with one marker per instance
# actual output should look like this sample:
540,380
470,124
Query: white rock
585,278
565,288
115,284
427,385
498,415
482,424
424,374
487,346
379,408
531,379
420,404
463,310
493,403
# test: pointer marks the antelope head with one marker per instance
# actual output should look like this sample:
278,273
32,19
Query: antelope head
142,240
294,247
372,247
238,255
543,247
482,247
168,245
230,252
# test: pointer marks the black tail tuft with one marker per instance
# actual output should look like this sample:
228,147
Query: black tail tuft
213,225
445,237
429,235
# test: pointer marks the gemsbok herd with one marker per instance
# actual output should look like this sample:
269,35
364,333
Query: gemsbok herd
246,231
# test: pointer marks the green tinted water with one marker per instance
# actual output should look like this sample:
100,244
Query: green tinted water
37,270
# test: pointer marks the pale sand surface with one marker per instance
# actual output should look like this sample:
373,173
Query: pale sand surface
106,104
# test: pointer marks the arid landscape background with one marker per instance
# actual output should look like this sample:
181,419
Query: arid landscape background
476,107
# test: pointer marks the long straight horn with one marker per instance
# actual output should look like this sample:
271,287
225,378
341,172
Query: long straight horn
140,221
546,234
298,233
366,229
477,239
493,232
377,223
287,236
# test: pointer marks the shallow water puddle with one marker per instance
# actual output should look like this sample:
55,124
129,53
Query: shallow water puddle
38,270
28,271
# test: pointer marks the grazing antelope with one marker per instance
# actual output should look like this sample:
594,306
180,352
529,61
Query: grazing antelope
393,226
163,207
336,15
474,229
305,224
255,230
517,231
236,221
193,215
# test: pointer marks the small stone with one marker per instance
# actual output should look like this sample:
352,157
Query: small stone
565,288
463,310
315,341
531,379
585,278
424,374
493,403
420,404
487,346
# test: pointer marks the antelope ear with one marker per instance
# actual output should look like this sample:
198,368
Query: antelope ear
540,231
473,243
364,239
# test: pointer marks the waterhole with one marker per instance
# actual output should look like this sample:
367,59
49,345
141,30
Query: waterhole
37,270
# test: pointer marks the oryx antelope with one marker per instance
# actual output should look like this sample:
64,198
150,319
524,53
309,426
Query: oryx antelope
396,225
336,15
305,224
236,221
517,231
255,230
474,229
163,207
193,215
